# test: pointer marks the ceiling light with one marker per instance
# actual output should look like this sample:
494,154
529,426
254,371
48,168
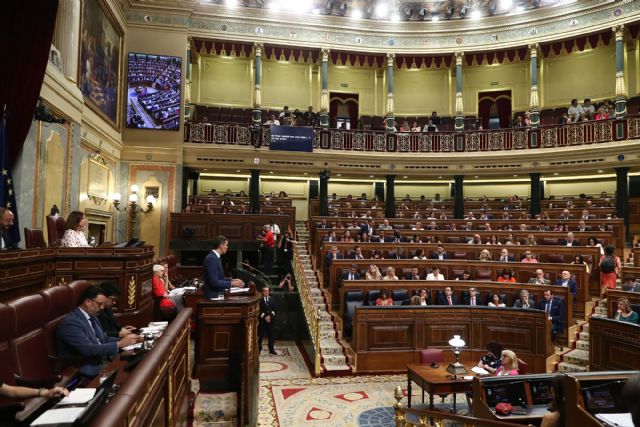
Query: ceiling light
237,170
395,17
440,177
356,14
476,14
339,174
555,173
435,17
600,171
405,177
381,10
371,176
506,4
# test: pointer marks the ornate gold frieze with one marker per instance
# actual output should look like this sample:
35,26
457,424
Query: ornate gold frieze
131,292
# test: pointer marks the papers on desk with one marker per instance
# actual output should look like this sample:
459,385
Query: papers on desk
479,371
181,291
468,377
132,347
58,416
239,290
78,396
621,420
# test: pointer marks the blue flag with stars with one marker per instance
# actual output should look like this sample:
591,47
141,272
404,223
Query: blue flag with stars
7,195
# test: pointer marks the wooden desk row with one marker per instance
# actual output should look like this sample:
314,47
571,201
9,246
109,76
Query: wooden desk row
205,199
29,271
264,210
511,290
613,344
452,268
386,339
189,227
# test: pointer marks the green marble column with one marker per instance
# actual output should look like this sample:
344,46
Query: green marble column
459,105
621,84
256,117
324,95
389,113
534,104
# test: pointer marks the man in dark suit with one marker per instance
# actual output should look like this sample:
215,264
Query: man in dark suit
570,240
524,301
6,223
80,334
472,298
504,256
439,253
110,324
267,313
352,274
214,280
357,253
447,298
567,281
554,310
368,227
414,274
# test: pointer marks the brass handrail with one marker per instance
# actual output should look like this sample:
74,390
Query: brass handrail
309,308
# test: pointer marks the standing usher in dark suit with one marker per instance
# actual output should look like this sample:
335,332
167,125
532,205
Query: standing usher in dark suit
554,310
267,308
214,281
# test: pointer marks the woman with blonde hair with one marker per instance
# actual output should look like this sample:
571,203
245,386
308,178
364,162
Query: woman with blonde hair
390,274
509,364
485,255
625,313
373,273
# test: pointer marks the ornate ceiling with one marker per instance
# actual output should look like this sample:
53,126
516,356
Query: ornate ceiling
552,20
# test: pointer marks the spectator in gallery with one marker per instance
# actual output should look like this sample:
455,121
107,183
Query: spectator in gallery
272,121
527,119
405,127
309,116
625,313
588,109
74,236
602,114
415,128
435,119
575,111
285,112
430,127
519,123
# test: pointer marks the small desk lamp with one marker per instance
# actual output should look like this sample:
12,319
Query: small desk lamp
456,368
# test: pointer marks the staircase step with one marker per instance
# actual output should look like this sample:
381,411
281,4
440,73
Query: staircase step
585,328
577,357
583,336
582,345
340,368
334,359
570,367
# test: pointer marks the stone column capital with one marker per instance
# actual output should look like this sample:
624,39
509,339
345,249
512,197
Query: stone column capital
533,50
324,53
459,55
618,30
391,57
257,48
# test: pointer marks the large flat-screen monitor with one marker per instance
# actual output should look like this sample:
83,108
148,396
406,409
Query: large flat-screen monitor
153,91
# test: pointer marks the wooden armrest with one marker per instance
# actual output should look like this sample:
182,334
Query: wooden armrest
47,382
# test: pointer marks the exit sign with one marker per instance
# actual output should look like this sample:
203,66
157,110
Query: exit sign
344,84
494,83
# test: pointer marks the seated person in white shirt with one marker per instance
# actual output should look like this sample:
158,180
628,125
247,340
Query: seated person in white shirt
575,111
74,234
435,274
272,121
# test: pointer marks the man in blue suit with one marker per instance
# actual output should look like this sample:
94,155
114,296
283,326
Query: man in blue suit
214,280
81,336
554,310
567,281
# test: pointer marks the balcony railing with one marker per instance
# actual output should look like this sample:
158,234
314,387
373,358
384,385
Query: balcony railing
592,132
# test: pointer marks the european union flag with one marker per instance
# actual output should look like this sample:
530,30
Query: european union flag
7,195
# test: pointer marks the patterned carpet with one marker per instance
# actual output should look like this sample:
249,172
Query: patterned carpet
291,397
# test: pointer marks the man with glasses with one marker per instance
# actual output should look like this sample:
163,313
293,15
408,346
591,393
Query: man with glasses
80,335
109,322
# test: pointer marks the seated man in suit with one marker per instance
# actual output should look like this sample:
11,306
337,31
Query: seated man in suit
6,232
414,274
80,334
109,322
504,256
472,298
567,282
570,240
333,254
214,281
357,253
524,301
352,274
554,310
448,298
439,253
539,278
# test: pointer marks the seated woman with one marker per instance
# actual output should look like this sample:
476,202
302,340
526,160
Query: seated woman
74,234
491,361
485,255
390,274
556,416
493,240
593,242
529,258
167,300
464,276
384,299
496,301
377,254
346,237
506,276
509,364
625,313
373,273
420,254
578,259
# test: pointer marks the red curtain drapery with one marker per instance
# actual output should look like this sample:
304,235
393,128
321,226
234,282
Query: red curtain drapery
27,28
502,99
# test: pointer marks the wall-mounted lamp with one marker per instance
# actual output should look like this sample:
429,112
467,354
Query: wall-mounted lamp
132,207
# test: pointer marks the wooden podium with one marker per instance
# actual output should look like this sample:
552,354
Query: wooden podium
226,354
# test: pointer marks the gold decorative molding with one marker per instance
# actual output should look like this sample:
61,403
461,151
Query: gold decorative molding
391,57
131,292
534,102
533,50
324,101
459,57
324,53
621,87
618,30
62,282
257,48
459,104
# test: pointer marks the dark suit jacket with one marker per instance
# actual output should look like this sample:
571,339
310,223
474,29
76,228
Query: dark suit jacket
556,312
409,276
434,255
509,259
442,299
518,304
109,323
76,337
574,243
571,284
467,300
214,281
9,243
356,276
364,228
268,308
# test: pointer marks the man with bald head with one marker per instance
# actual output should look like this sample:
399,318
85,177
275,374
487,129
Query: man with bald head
6,222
